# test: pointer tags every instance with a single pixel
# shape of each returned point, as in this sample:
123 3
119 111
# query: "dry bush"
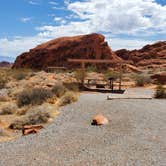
160 92
3 133
91 69
34 96
9 109
22 111
33 117
59 90
68 98
112 74
72 86
20 74
141 80
3 81
79 75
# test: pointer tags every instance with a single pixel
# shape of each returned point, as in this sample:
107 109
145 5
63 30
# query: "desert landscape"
102 124
83 83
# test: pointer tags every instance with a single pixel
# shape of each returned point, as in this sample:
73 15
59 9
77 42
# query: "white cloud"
53 3
33 3
25 19
138 18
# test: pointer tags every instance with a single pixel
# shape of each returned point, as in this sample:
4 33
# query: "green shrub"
34 96
8 109
141 80
59 90
68 98
160 92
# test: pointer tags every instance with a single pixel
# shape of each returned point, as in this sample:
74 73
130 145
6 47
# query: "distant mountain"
7 59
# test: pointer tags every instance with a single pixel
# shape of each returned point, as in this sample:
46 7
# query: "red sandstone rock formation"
57 51
160 77
149 55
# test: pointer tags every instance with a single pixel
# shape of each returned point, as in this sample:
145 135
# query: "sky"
129 24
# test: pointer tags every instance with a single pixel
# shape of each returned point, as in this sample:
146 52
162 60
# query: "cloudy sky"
125 23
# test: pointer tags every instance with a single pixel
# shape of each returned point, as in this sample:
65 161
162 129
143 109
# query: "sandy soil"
135 136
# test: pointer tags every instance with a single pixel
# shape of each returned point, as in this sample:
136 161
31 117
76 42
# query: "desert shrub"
33 118
160 92
20 74
91 68
68 98
3 81
22 111
34 96
112 74
72 86
59 90
8 109
79 75
141 79
3 133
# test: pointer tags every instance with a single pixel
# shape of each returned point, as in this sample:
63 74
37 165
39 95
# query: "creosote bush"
31 119
3 81
59 90
160 92
68 98
79 75
8 109
34 96
73 86
141 79
112 74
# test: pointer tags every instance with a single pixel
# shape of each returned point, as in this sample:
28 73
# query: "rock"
100 120
31 129
154 54
160 77
57 51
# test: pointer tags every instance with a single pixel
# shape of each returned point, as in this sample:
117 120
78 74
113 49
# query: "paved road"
135 136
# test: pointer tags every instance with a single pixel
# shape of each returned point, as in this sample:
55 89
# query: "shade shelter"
83 63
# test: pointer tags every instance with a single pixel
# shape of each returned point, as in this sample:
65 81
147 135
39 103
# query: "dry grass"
59 90
112 74
68 98
9 109
35 116
142 79
160 92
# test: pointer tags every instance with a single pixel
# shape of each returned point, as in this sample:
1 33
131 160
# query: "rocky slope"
150 55
57 51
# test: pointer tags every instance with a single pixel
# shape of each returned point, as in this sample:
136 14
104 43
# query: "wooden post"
120 77
83 73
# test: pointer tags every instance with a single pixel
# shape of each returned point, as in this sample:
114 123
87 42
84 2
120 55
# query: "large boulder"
154 54
57 51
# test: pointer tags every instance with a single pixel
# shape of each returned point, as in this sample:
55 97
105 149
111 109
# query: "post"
83 73
120 77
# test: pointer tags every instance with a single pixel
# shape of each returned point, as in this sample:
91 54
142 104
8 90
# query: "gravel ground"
135 136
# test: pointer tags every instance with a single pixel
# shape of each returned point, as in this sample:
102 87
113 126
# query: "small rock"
100 120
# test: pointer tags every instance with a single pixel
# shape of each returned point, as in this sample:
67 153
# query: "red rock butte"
57 51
